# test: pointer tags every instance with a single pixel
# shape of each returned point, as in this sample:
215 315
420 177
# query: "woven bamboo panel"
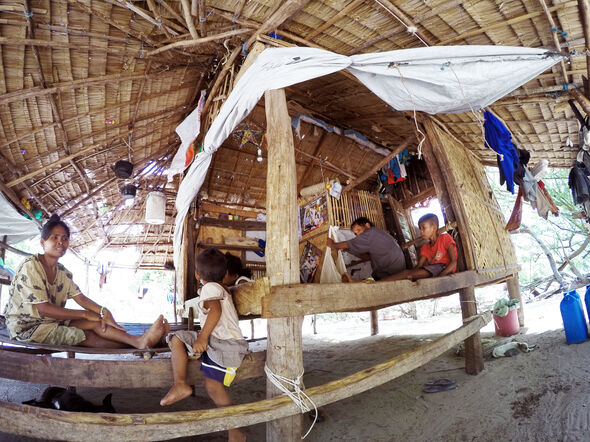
493 249
352 205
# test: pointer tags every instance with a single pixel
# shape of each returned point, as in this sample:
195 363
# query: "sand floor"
542 395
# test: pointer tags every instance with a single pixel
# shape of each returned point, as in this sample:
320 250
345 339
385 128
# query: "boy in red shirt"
438 256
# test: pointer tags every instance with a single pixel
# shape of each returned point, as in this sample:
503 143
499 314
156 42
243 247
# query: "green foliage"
563 234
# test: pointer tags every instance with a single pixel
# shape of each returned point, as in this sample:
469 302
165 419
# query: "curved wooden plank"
39 422
137 373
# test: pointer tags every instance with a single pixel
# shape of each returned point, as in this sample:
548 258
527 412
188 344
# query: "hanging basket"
128 191
123 169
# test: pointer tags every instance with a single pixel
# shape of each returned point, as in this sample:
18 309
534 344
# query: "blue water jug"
574 322
587 300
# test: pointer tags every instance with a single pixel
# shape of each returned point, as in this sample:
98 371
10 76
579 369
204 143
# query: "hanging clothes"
527 183
498 138
579 183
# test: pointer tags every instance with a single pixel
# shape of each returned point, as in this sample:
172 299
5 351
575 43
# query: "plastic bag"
503 306
332 270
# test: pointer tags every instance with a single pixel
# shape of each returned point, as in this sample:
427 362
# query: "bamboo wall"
492 248
351 205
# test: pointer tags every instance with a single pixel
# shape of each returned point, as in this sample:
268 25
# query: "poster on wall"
314 214
309 262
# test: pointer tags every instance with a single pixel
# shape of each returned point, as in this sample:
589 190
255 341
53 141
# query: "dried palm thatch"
84 83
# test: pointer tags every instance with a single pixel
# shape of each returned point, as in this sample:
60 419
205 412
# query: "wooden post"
2 256
514 293
374 323
284 350
473 351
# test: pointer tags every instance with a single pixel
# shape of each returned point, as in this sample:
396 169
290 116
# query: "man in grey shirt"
385 253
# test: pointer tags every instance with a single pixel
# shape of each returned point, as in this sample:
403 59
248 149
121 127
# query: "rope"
297 395
411 29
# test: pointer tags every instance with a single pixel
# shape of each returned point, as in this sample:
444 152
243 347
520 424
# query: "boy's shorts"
210 369
434 269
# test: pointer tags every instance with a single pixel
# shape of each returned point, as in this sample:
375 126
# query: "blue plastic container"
587 300
574 322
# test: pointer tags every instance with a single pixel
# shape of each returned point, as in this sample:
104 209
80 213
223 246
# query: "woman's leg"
148 339
180 389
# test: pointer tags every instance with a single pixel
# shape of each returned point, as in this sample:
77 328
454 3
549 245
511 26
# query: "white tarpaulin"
441 79
14 225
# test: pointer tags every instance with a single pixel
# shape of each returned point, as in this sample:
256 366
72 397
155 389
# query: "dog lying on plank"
61 399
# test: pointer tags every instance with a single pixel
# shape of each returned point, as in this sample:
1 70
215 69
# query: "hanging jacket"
579 183
498 137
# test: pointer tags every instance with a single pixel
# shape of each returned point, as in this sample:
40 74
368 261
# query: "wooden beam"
286 10
554 37
307 299
239 9
134 373
4 246
125 28
66 86
186 9
158 16
418 198
323 139
326 164
514 293
380 164
198 41
584 6
502 24
238 224
338 16
284 351
472 346
400 15
52 424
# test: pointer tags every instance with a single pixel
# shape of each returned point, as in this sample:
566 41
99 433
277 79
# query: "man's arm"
343 245
453 263
213 316
422 262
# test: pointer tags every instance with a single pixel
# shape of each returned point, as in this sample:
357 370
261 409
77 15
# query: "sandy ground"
542 395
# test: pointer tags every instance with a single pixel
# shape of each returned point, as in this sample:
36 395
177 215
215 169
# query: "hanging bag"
332 270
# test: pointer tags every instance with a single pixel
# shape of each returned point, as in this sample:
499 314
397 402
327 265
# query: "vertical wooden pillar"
473 350
284 349
374 323
445 186
514 293
3 256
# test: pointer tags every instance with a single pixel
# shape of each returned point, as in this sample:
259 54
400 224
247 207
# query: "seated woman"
37 297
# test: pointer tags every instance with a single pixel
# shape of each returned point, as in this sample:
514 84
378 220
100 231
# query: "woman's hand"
200 344
107 319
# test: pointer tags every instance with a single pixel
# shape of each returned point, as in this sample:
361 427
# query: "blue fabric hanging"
499 138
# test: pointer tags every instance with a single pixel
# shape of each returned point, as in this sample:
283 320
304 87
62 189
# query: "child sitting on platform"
438 256
220 344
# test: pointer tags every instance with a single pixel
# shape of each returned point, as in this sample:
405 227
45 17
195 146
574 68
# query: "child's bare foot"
154 334
235 435
178 392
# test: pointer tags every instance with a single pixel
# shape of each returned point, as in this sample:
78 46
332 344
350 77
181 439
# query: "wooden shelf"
233 224
230 247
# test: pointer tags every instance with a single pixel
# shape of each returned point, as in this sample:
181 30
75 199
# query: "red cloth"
437 254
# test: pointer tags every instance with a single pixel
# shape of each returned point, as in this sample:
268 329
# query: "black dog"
61 399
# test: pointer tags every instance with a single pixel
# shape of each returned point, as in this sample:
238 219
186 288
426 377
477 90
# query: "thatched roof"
84 83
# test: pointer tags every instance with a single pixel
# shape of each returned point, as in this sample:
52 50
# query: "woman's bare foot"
178 392
155 333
